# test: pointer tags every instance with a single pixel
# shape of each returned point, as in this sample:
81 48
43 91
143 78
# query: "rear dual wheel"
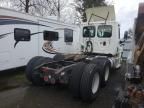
30 66
106 74
90 83
36 78
75 79
103 66
85 81
33 74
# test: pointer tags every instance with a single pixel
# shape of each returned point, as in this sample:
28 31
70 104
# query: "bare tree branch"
22 2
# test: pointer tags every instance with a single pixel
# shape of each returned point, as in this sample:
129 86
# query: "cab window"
104 31
89 31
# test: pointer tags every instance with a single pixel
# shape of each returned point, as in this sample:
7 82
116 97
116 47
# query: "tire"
47 59
30 66
103 66
58 57
34 74
36 78
106 74
90 83
122 103
76 78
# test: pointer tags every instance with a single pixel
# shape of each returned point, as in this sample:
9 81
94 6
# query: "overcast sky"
126 11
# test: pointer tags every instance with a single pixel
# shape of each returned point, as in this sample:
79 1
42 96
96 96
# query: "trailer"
23 36
81 56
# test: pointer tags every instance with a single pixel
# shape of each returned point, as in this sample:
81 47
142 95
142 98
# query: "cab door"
103 39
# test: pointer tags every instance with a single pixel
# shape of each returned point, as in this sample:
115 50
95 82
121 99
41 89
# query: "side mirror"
21 34
121 42
50 35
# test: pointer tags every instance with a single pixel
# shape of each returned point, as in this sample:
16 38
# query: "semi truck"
81 56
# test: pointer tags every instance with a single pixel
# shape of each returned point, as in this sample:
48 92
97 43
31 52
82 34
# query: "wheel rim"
95 83
106 73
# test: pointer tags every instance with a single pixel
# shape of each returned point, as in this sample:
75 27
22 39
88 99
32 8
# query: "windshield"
89 31
104 31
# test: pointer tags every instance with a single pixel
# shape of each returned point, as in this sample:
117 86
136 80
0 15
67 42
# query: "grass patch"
13 81
19 78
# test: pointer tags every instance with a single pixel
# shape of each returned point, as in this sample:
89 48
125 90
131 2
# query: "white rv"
81 56
16 51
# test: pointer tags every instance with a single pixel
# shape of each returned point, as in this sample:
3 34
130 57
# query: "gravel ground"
25 95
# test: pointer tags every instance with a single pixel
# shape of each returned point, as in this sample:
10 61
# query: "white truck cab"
104 38
101 34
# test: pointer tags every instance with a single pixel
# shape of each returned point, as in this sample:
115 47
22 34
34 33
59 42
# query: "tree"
43 8
39 7
92 3
23 5
4 3
53 7
82 5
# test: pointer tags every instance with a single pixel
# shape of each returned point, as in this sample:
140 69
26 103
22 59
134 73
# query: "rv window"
50 35
68 34
89 31
21 34
104 31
